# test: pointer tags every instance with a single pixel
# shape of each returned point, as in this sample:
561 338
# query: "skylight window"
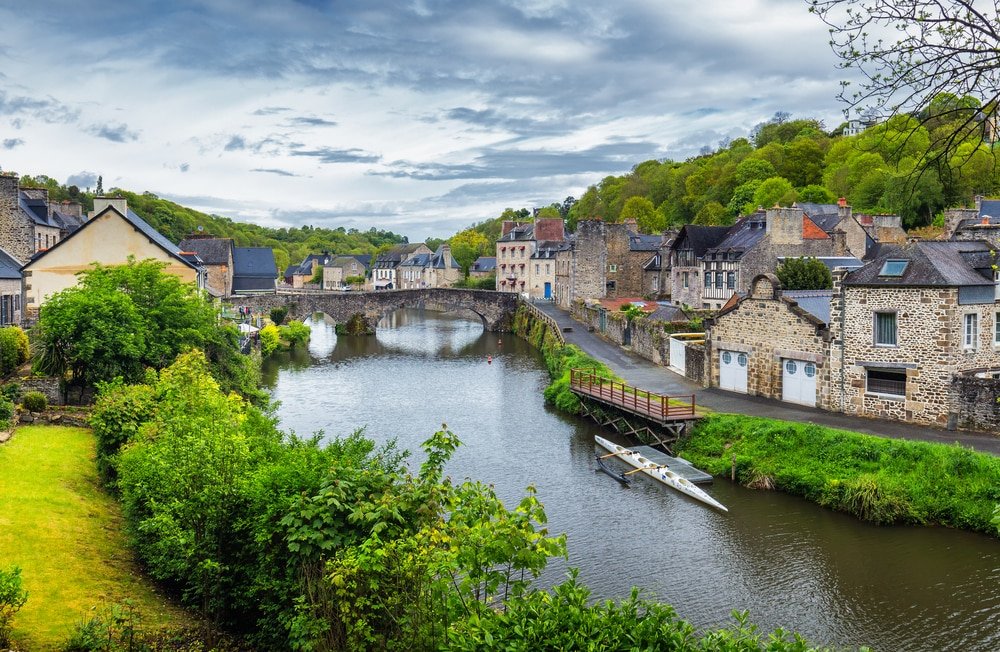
893 268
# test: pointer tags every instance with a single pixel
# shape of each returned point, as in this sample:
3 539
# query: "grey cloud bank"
445 111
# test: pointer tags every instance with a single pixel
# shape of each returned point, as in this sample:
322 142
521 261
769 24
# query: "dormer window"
893 268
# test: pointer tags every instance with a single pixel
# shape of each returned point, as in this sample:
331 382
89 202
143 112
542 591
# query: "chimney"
784 225
102 203
446 255
508 225
839 243
888 221
8 189
73 208
843 210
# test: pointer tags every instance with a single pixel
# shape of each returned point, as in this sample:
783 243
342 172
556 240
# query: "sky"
421 117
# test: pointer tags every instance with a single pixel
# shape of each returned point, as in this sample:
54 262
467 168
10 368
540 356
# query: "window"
970 337
546 268
538 268
893 268
885 381
708 279
885 329
731 280
996 329
610 286
612 267
656 283
718 280
685 278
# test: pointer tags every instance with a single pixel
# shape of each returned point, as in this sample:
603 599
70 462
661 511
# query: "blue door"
548 290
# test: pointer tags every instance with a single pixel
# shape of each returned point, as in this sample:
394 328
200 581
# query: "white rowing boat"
658 472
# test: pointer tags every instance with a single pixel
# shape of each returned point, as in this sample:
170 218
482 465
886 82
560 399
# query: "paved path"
646 375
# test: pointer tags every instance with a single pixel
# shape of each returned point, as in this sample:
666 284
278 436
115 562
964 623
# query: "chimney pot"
842 202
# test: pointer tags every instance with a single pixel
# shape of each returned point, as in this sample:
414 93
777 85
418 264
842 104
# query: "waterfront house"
526 254
385 268
483 267
216 255
340 268
254 270
110 236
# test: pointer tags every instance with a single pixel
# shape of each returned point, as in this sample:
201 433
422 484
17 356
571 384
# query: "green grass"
65 532
877 479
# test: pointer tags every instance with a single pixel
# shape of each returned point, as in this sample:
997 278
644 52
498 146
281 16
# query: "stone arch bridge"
495 309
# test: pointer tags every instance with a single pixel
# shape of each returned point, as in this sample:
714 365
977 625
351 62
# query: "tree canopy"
804 274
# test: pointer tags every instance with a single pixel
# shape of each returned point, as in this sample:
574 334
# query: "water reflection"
791 563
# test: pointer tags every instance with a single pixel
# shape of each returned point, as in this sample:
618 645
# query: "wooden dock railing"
638 401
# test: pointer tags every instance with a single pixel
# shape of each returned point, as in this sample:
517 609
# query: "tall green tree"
804 274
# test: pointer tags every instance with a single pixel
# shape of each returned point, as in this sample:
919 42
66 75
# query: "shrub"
118 413
34 402
269 339
12 598
13 349
278 315
295 333
6 411
11 392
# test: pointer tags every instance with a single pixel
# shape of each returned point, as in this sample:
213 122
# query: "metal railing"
549 321
633 399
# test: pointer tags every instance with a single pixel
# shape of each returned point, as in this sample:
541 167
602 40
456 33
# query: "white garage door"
733 371
798 382
678 353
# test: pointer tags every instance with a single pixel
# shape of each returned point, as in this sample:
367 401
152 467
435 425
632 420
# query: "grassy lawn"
66 534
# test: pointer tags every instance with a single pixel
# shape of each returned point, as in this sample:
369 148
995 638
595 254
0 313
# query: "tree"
468 245
776 190
644 213
804 274
937 47
100 185
120 319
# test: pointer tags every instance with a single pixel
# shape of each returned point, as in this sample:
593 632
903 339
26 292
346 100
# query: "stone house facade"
29 222
750 343
216 255
385 267
686 254
911 321
437 270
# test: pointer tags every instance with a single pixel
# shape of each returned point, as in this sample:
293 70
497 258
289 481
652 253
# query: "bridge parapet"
495 309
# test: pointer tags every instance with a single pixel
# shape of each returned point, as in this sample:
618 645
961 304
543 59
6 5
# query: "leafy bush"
13 349
119 412
278 315
13 596
295 333
6 411
270 339
34 401
11 392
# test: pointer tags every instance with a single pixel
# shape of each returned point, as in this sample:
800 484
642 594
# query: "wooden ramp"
653 418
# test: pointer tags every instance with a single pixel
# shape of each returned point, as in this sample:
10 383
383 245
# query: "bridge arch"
495 309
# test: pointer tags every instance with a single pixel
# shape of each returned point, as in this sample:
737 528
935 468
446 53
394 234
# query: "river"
792 564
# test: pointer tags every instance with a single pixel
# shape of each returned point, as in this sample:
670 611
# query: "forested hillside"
178 222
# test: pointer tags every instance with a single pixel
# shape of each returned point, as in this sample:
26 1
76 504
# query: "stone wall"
17 237
694 362
974 402
690 295
47 385
589 261
649 338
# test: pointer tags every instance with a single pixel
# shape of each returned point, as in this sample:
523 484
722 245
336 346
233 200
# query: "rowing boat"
659 472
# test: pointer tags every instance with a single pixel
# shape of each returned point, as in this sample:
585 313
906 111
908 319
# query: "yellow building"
110 235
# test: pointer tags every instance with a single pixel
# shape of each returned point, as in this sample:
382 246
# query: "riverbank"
65 533
876 479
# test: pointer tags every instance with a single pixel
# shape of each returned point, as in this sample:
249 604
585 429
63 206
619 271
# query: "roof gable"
256 262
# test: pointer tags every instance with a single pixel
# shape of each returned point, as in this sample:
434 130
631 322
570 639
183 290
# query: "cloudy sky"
418 116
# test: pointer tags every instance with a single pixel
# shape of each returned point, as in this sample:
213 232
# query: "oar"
601 457
637 470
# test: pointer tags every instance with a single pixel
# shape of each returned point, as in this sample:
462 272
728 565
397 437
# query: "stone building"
436 270
656 271
29 222
340 268
910 321
984 212
216 255
483 267
10 290
254 270
686 253
385 267
772 343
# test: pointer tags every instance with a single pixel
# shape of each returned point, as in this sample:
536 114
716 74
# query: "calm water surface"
835 580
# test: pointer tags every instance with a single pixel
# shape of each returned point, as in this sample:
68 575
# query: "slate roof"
392 257
825 216
437 260
644 242
35 209
815 302
653 264
740 238
253 262
68 222
484 264
947 263
138 224
668 312
345 262
990 207
211 251
10 269
524 231
700 238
